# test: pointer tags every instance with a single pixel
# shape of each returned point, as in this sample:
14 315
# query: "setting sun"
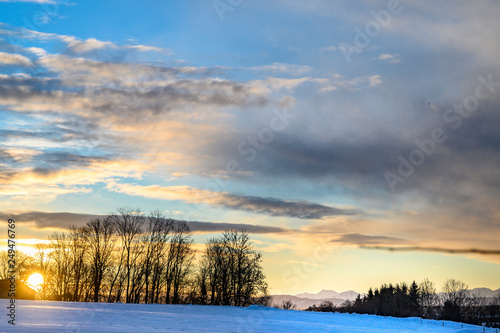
35 280
278 166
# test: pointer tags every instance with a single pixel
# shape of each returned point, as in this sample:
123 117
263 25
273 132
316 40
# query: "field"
56 317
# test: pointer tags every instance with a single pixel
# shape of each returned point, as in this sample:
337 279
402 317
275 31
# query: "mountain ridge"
304 300
325 293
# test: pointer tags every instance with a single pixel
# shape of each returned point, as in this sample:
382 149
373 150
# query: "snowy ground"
56 317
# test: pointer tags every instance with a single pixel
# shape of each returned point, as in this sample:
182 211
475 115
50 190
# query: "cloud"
77 107
360 239
146 48
14 59
76 45
63 220
277 84
277 207
96 87
327 84
42 193
434 249
223 226
472 35
349 49
374 80
394 58
88 45
328 48
278 67
337 81
46 220
188 120
56 174
267 206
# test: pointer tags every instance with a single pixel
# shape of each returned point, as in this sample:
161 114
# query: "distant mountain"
486 292
346 295
482 292
305 300
303 303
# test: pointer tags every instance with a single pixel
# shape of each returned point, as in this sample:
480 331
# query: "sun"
35 280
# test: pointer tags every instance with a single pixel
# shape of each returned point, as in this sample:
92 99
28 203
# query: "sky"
333 131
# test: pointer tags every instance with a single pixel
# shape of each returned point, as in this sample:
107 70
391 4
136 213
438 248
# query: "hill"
59 317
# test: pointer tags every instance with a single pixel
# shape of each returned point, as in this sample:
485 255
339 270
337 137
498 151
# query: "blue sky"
337 124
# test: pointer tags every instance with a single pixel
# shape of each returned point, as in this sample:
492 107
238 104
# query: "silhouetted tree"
230 272
180 257
128 223
99 234
79 268
414 300
155 241
427 296
61 260
130 257
455 295
287 305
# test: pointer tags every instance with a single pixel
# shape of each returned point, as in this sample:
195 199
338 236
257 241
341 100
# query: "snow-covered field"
56 317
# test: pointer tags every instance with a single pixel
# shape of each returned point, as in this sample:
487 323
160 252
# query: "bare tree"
211 270
160 261
78 252
42 265
181 256
116 275
136 258
287 305
230 270
23 265
495 311
61 260
128 223
455 297
99 237
155 243
427 296
476 308
456 292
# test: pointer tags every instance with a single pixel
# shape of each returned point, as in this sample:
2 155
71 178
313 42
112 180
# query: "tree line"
131 257
456 302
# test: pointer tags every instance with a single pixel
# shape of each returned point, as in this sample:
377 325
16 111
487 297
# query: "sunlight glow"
35 280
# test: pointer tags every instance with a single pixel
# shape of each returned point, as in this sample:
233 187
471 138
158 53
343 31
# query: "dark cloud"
124 99
61 160
340 152
360 239
277 207
254 204
63 220
221 226
434 249
334 160
179 95
43 220
45 162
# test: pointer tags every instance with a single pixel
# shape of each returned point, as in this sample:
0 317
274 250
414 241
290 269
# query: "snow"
57 317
